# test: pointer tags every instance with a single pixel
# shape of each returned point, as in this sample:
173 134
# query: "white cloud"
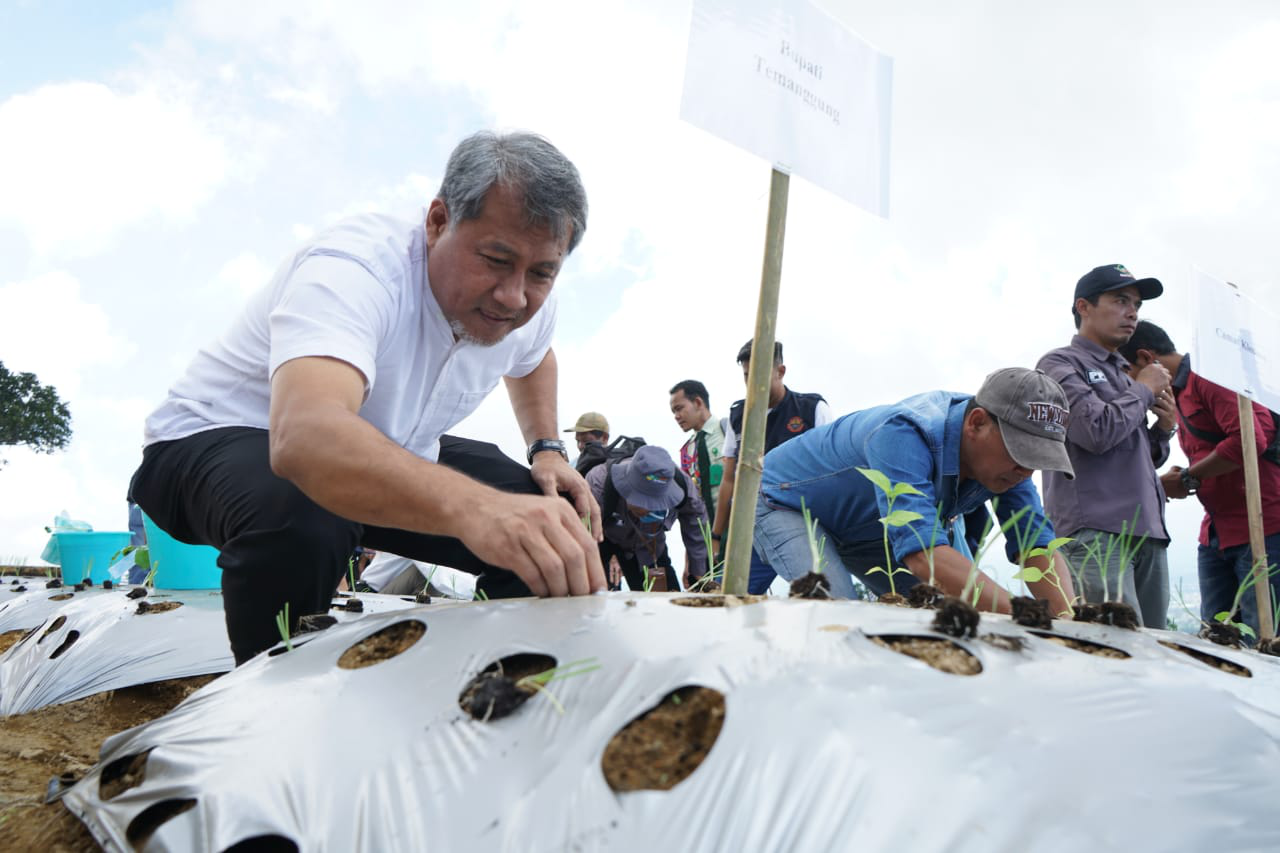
81 161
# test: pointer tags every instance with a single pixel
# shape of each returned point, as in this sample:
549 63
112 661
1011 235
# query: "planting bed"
783 725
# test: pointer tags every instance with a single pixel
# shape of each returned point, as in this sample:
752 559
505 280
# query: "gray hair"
553 193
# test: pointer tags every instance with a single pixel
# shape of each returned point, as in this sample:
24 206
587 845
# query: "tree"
31 414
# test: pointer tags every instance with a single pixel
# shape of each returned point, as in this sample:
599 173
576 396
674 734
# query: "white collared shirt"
357 292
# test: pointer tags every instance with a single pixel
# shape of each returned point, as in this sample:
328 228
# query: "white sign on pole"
789 83
1236 342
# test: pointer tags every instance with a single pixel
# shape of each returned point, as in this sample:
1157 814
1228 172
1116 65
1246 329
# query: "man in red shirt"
1209 433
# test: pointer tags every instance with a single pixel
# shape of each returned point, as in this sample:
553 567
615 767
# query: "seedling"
894 518
150 579
282 625
481 595
540 681
1257 573
351 575
985 542
650 578
1031 574
816 545
715 571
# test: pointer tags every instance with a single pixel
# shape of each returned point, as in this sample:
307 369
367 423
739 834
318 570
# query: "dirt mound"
66 738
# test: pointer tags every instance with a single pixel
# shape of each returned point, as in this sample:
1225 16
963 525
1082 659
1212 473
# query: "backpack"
1271 453
622 447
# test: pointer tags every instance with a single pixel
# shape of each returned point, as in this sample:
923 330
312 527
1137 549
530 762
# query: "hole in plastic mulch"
154 816
63 597
1086 646
264 844
942 655
383 644
122 774
1209 660
57 623
9 639
145 607
72 636
495 692
712 600
664 746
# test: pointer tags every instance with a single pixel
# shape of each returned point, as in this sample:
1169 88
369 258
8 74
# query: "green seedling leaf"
881 481
900 489
900 517
879 569
1057 543
1246 630
1029 574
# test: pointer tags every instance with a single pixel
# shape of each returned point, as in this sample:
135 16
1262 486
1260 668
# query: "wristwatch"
547 444
1190 483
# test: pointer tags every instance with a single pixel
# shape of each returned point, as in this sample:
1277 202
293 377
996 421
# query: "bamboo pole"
742 515
1253 501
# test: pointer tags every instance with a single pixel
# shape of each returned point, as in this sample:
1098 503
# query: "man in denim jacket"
956 452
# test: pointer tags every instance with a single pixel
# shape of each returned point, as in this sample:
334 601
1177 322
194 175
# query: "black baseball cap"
1113 277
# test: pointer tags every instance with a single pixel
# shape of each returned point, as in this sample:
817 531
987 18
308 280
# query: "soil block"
956 618
137 592
313 622
1114 613
664 746
1270 647
1222 633
894 598
812 585
1086 646
925 596
1031 612
944 655
1209 660
53 584
422 598
496 692
383 644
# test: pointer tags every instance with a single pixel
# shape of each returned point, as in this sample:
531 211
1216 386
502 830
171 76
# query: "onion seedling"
480 595
540 680
282 625
817 545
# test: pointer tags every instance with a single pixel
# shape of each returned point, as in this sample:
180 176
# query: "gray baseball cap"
1032 412
648 479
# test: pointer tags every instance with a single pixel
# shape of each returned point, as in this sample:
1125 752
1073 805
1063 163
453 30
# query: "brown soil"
893 598
10 638
1031 612
956 618
718 600
924 595
1114 613
940 654
663 746
812 585
1209 660
1087 646
1270 647
496 692
63 597
383 645
60 738
145 607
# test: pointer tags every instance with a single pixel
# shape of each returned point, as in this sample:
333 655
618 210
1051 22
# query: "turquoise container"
179 565
88 552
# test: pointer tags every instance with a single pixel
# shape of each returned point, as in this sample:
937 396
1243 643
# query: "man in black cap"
640 499
1114 508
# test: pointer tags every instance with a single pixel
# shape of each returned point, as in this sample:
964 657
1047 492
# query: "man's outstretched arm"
320 443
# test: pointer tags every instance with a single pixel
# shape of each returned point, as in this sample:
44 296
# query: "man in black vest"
789 415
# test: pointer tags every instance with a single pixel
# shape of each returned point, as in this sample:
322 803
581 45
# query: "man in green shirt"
700 455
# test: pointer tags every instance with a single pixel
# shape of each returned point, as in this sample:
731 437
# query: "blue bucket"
88 552
179 565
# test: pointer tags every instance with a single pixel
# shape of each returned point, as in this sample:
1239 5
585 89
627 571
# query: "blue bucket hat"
648 479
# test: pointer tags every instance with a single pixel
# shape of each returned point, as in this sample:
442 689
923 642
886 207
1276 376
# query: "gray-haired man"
317 422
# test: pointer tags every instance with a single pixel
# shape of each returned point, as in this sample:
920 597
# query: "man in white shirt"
317 422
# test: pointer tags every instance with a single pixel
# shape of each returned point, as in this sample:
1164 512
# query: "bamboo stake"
1253 501
742 515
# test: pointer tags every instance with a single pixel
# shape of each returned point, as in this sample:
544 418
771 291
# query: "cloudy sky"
158 160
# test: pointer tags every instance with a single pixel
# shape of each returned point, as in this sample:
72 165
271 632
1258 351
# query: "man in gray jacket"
1114 508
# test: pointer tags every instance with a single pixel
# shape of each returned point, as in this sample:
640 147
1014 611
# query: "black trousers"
631 568
277 545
